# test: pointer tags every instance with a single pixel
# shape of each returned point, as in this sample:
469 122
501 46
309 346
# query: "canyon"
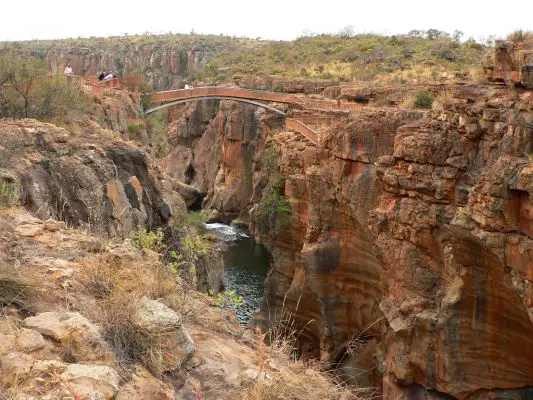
409 232
406 260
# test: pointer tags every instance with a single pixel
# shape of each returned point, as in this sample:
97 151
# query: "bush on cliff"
274 210
152 240
423 100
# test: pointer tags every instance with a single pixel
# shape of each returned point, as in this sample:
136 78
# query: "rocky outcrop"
88 178
55 353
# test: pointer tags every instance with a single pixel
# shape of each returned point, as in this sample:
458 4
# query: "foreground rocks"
59 354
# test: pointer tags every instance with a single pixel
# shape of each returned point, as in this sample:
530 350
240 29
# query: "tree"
24 77
347 32
457 35
28 91
435 34
415 33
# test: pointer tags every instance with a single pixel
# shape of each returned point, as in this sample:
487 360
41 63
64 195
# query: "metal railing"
92 85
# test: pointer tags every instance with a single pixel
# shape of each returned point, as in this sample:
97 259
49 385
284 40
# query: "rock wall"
163 65
406 261
89 178
217 147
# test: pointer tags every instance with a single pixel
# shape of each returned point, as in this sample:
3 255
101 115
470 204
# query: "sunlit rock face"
410 231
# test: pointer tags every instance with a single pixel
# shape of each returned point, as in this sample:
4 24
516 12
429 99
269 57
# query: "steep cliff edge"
410 232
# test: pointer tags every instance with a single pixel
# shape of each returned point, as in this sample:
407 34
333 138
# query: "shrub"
156 129
228 299
519 36
152 240
274 210
29 91
269 163
9 193
423 100
135 128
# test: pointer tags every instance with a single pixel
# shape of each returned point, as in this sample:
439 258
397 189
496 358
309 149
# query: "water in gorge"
246 265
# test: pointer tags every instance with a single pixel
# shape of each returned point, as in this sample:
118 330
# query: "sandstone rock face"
409 232
164 66
88 179
216 151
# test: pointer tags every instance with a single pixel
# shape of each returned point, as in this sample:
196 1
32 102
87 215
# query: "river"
246 265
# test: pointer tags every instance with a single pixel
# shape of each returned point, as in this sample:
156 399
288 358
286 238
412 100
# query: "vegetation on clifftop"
28 91
344 56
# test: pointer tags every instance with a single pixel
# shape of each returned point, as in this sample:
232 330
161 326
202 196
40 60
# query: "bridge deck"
212 91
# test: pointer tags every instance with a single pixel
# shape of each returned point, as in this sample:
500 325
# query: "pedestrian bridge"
257 98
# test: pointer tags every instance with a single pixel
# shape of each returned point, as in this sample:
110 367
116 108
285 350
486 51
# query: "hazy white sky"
272 19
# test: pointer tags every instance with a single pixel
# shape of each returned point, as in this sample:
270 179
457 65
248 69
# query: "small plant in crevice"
227 299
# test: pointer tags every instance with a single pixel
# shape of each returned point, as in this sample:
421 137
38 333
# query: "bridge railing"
91 85
180 94
302 128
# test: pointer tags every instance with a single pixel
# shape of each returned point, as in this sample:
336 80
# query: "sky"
272 19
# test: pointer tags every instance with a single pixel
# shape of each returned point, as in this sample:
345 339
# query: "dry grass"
443 99
301 382
16 292
520 36
112 291
131 342
292 378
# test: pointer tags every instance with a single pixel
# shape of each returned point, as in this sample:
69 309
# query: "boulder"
28 340
91 381
175 344
61 326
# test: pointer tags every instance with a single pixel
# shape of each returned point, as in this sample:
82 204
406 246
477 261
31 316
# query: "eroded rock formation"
410 231
91 178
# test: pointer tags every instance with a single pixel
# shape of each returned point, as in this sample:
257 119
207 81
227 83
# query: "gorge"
400 243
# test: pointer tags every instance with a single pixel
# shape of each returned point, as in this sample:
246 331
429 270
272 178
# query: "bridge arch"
241 100
257 98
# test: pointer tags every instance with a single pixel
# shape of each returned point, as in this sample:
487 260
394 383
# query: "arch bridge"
257 98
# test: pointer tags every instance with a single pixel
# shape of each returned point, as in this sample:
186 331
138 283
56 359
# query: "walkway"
91 85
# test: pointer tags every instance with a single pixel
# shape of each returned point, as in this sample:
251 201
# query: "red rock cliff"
410 231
